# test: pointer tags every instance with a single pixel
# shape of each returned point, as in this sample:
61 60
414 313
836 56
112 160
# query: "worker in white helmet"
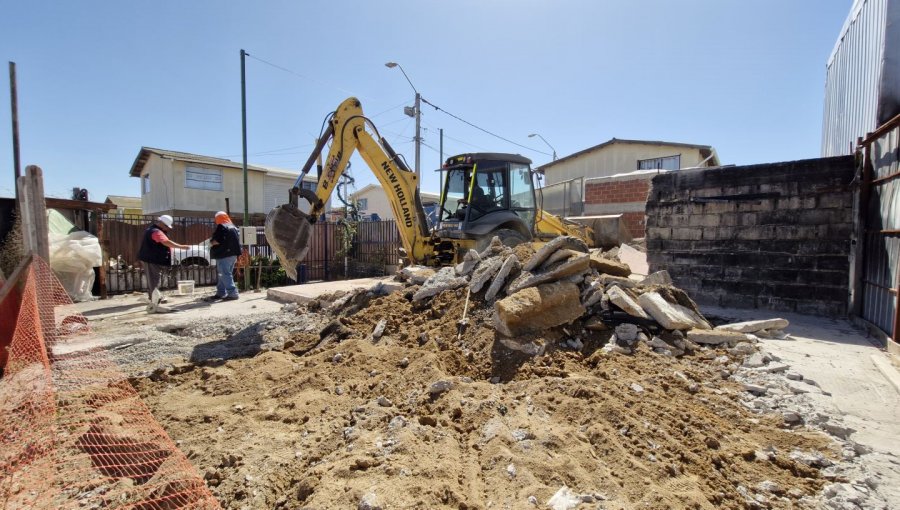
156 255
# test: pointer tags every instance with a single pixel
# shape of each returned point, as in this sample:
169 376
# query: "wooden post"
33 211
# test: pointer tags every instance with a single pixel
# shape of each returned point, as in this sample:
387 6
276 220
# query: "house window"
308 185
203 178
362 204
668 163
145 184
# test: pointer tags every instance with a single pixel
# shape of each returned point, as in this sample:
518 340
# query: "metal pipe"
246 221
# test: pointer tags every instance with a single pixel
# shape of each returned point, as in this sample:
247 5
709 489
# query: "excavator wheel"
508 237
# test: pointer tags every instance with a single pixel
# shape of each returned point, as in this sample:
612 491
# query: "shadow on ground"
242 344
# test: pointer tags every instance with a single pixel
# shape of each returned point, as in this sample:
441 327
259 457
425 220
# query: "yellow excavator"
484 195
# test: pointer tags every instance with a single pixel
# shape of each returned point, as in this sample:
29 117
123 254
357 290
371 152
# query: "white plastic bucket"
185 287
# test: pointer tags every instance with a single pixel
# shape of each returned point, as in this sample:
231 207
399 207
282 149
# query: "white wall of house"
617 158
205 191
375 201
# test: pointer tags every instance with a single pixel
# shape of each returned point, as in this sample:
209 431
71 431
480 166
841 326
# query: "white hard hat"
166 220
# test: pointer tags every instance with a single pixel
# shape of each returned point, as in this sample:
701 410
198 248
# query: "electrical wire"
438 108
299 75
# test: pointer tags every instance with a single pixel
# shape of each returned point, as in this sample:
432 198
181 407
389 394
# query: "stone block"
608 266
668 315
538 308
626 303
754 326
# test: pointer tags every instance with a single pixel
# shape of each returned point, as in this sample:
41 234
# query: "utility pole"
418 139
246 221
14 109
441 163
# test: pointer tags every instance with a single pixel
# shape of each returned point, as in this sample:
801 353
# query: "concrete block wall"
624 194
774 236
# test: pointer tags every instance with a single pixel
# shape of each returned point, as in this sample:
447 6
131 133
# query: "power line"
438 108
299 75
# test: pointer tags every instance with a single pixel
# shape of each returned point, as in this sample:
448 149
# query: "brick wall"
773 236
625 195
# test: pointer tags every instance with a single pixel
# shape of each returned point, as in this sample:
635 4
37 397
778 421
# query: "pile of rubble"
566 283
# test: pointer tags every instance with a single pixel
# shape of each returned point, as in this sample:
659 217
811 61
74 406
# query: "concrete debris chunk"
564 499
573 266
492 249
757 359
754 326
379 329
707 337
537 308
609 266
439 387
558 256
668 315
417 275
657 278
626 333
445 279
509 265
626 303
484 272
470 260
558 243
609 280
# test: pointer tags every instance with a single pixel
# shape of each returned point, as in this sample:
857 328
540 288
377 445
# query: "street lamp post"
417 112
532 135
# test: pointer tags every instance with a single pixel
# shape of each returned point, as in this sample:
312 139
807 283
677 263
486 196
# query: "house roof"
146 152
124 202
706 151
424 195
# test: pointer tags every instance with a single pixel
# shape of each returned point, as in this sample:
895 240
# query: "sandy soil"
425 418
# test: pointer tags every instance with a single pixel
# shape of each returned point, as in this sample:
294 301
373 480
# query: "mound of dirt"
430 414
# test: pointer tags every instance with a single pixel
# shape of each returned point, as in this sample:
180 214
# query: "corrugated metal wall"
881 210
853 76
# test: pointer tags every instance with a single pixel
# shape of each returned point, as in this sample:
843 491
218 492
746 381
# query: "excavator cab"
487 195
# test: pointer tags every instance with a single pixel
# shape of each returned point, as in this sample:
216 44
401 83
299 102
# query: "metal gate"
880 213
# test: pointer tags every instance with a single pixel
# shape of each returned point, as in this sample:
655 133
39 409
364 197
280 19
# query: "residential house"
184 184
372 202
124 205
618 156
613 178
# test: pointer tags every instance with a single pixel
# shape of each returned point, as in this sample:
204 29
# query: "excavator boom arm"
347 131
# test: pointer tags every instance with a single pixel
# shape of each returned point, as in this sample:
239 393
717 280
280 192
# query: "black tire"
508 237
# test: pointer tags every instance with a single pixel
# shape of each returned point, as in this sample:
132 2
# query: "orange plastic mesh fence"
73 432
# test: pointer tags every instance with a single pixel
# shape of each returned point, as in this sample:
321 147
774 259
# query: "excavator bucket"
288 231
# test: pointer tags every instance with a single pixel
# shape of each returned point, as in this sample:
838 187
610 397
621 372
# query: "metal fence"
879 206
337 252
563 198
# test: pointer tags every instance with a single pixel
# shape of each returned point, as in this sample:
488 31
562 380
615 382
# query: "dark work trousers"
153 272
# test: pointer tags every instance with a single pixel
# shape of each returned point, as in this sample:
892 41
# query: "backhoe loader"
484 195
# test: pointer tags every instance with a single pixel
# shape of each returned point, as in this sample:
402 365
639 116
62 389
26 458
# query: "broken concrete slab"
470 260
657 278
669 315
754 326
574 266
558 256
417 275
445 279
712 337
558 243
626 303
609 280
537 308
608 266
510 264
484 272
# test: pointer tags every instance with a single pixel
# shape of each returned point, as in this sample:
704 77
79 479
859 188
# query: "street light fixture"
532 135
417 113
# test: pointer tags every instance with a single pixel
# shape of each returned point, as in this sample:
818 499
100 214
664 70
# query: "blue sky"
99 79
